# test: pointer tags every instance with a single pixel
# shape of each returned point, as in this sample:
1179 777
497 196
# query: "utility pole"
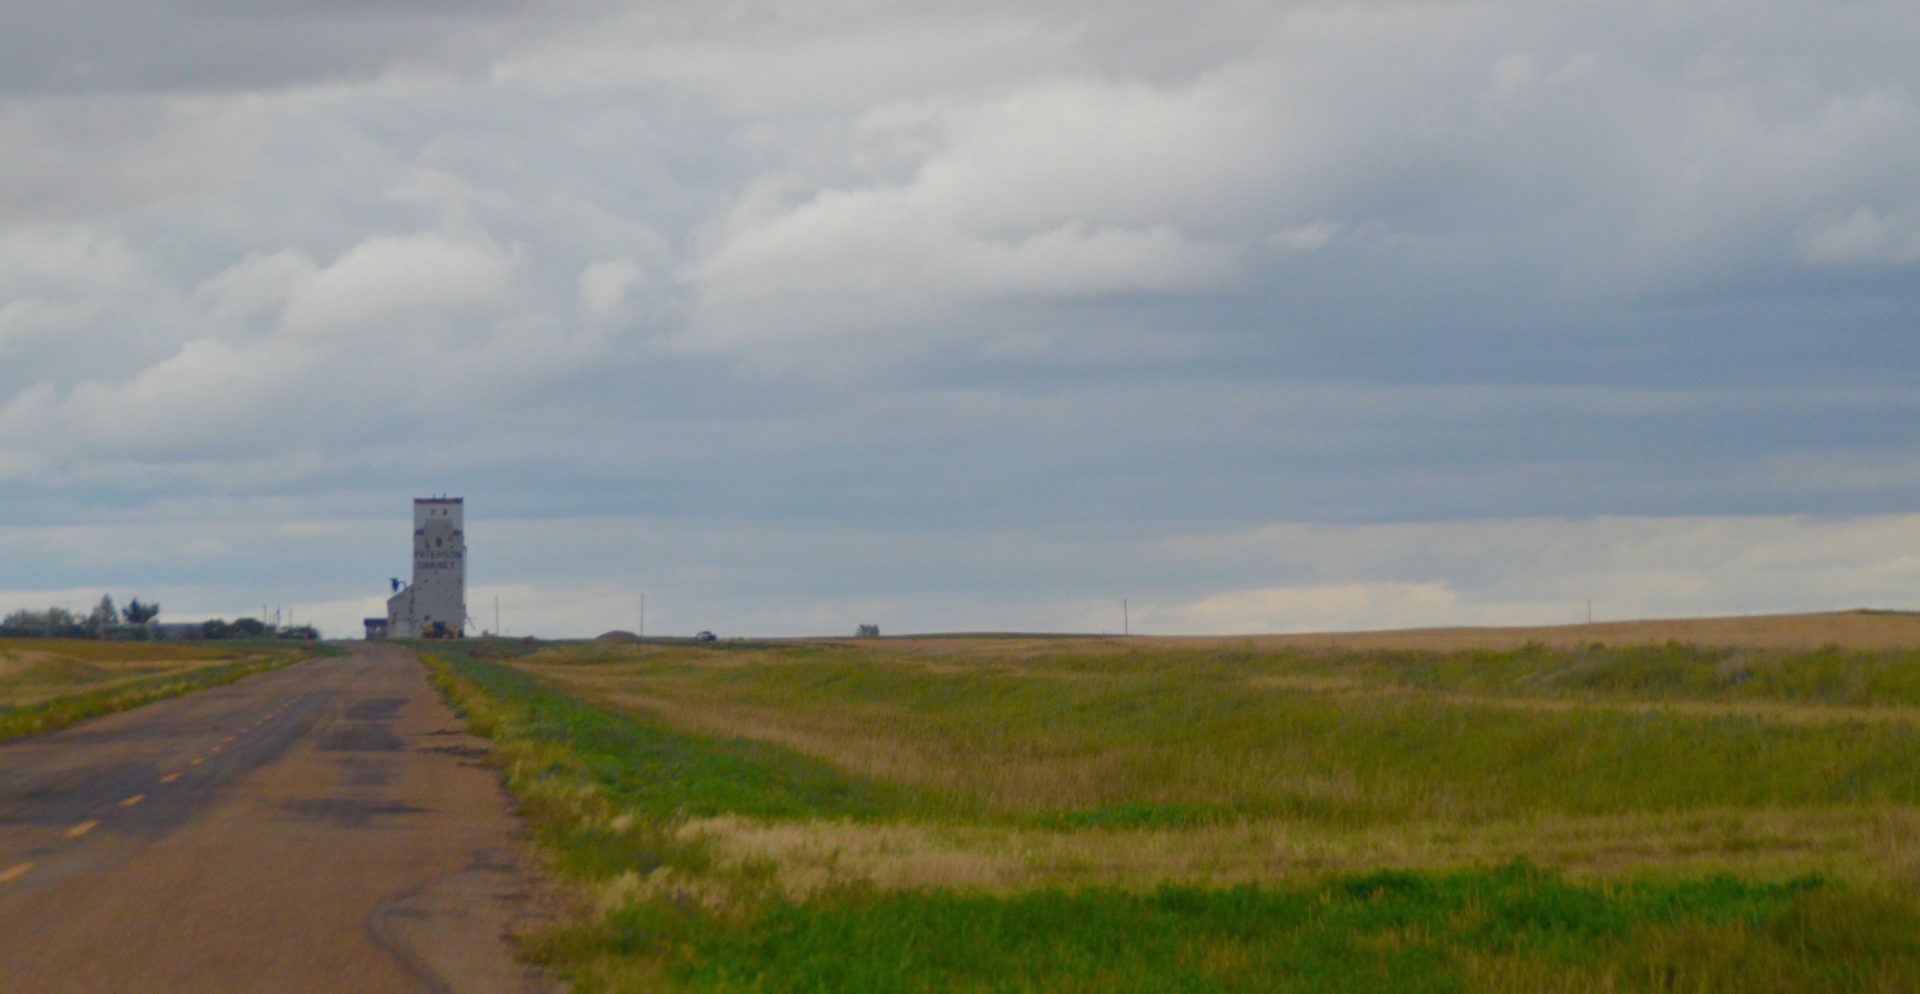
1126 621
643 615
496 614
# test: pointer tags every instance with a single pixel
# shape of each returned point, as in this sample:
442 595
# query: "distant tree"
248 628
54 622
867 632
137 613
19 622
60 621
216 628
24 619
104 615
307 632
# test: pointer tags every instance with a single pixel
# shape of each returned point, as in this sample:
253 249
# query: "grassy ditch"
51 684
606 793
772 818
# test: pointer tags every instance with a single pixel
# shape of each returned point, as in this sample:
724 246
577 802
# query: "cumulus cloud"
187 399
1537 164
327 351
80 157
604 289
1309 237
396 291
1866 235
259 286
1060 191
782 57
1052 274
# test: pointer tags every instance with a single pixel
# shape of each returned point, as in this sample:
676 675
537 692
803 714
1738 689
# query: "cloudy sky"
1264 316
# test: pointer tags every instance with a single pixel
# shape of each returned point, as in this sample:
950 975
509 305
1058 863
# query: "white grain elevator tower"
435 604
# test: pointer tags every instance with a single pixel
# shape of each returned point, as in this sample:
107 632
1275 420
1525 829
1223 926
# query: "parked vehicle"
440 630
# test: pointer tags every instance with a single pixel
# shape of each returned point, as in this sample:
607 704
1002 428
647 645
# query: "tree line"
108 620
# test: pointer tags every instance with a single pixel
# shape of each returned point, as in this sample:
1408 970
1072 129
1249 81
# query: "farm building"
435 603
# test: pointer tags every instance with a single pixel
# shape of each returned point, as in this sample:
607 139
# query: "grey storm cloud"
992 277
236 45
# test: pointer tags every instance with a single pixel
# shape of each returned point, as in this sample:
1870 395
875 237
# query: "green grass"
664 774
1670 672
1390 931
71 708
578 769
1179 741
646 773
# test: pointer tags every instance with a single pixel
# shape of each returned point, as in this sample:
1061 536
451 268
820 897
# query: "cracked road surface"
327 827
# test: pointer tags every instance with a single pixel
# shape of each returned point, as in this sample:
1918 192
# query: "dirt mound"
617 635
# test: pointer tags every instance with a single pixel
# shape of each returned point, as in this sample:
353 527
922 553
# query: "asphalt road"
322 828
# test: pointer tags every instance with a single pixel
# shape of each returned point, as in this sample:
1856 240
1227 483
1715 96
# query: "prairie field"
1579 811
51 683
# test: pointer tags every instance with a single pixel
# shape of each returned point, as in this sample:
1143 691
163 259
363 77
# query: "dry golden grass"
1845 629
886 720
37 670
96 650
1874 844
1858 629
757 693
1654 817
1770 711
1014 655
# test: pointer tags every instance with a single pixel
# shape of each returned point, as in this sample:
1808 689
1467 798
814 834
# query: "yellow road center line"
81 829
230 738
131 801
195 762
216 749
14 872
169 778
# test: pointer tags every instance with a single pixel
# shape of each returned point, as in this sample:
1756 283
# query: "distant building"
435 603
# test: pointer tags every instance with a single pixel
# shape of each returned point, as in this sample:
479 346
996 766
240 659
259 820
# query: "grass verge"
65 710
622 801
